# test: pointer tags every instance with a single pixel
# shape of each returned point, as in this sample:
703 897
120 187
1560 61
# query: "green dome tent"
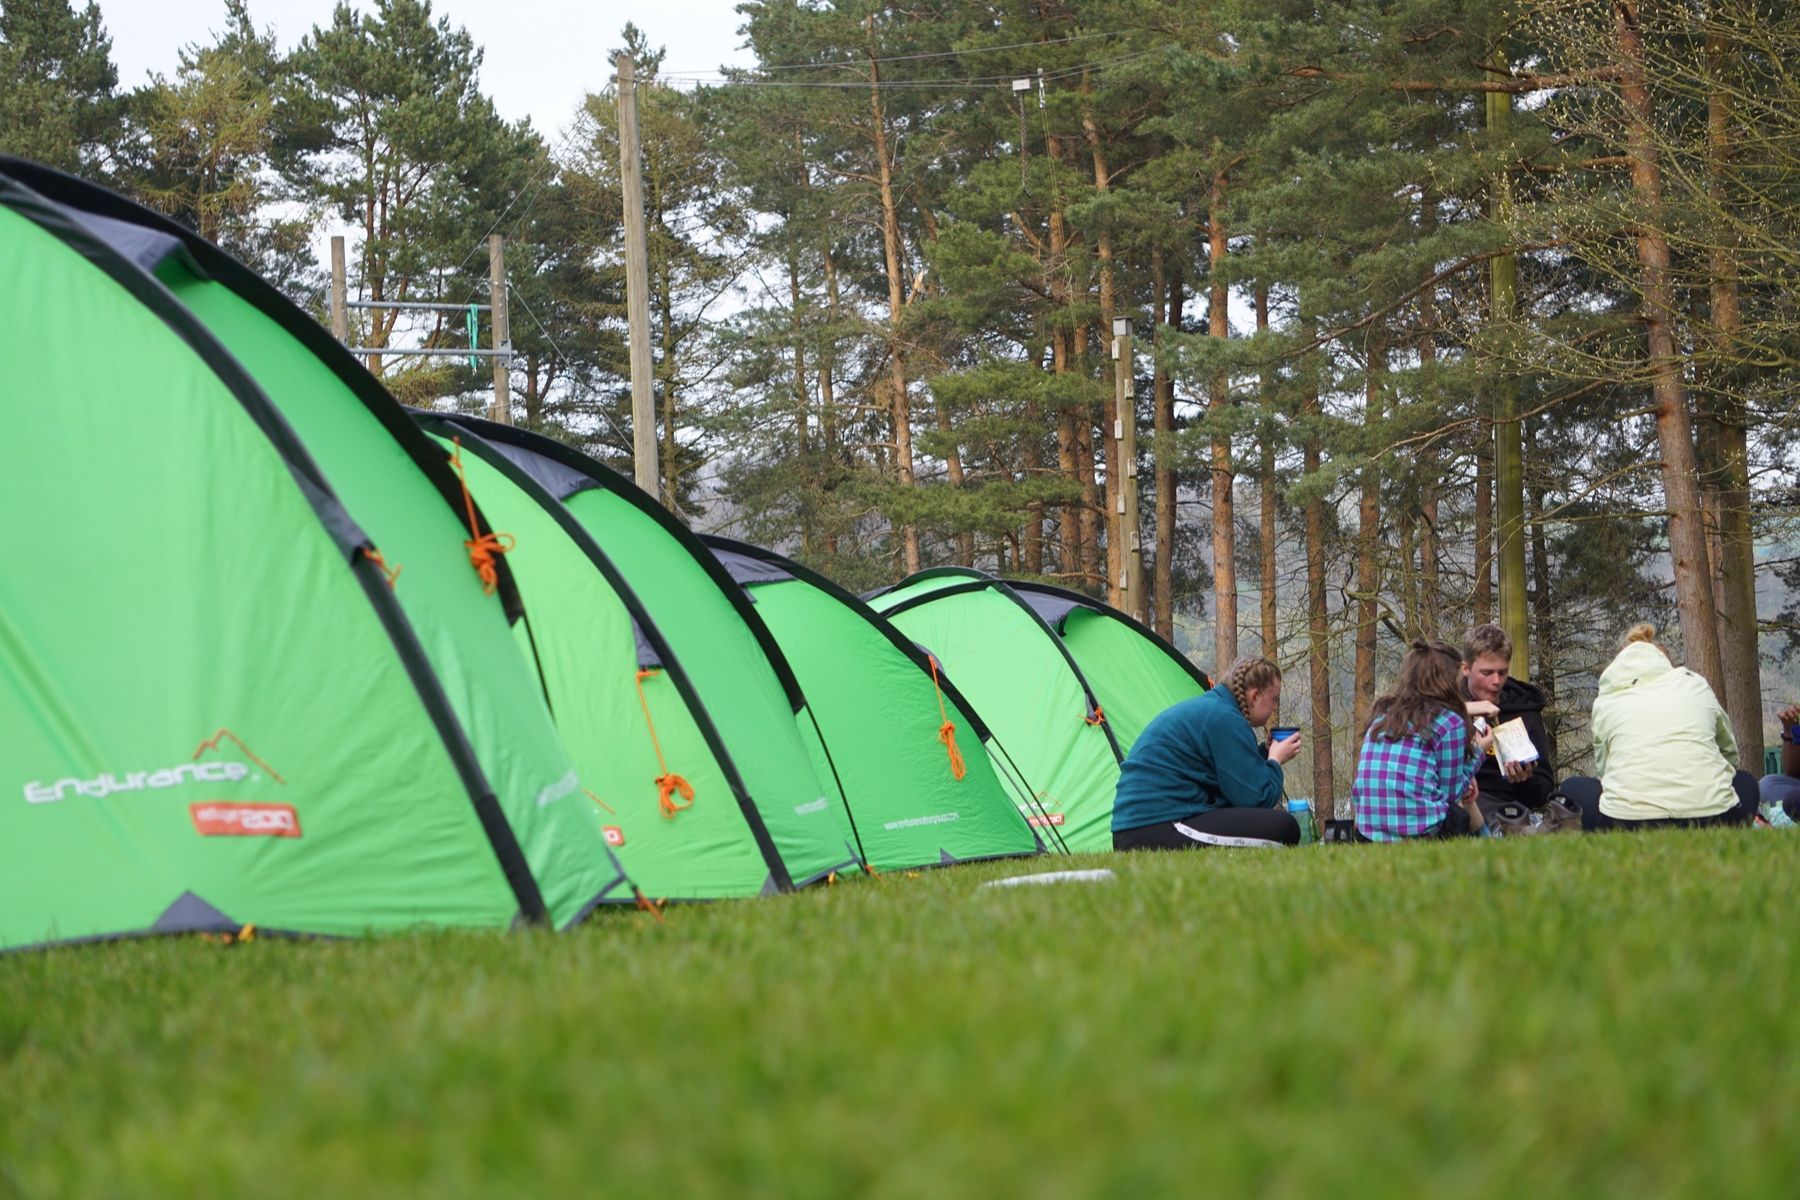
657 668
1026 685
221 709
882 704
1135 674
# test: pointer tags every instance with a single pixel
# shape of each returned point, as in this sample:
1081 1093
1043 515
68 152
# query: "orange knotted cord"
482 546
947 731
1098 717
392 573
668 784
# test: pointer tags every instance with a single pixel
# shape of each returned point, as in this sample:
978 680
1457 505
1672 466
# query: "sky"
540 56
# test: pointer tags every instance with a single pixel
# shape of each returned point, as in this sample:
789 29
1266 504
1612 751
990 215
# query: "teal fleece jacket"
1193 757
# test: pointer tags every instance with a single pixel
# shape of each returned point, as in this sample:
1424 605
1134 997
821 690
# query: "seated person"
1415 774
1663 748
1486 660
1196 776
1783 791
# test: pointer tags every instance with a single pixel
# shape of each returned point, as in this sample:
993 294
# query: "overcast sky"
540 56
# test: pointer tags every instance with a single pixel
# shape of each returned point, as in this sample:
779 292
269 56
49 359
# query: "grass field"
1563 1016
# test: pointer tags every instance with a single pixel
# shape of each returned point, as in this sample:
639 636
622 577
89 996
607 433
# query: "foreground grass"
1571 1016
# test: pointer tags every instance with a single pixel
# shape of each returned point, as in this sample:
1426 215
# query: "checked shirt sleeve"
1455 768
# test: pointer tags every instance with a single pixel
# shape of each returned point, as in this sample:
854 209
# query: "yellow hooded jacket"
1662 745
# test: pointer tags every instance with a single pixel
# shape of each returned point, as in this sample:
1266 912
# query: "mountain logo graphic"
212 743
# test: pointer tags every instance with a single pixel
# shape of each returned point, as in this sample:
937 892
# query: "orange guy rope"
392 573
947 731
668 784
482 547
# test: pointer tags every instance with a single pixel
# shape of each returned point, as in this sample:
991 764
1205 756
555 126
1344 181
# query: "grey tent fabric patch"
190 914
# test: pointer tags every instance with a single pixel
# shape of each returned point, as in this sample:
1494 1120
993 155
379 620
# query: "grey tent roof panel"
648 658
1052 608
748 571
146 248
559 480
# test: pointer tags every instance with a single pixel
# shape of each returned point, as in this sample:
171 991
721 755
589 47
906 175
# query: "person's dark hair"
1486 639
1428 683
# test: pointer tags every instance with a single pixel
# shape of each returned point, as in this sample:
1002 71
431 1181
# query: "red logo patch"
213 818
613 834
1037 822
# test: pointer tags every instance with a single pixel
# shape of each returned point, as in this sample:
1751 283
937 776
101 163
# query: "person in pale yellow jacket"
1663 748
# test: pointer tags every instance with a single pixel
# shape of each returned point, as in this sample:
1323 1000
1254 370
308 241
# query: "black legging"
1217 827
1584 792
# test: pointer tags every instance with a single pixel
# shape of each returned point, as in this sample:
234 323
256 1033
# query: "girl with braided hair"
1196 776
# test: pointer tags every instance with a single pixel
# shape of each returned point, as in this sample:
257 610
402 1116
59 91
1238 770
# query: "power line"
921 85
863 62
567 361
537 177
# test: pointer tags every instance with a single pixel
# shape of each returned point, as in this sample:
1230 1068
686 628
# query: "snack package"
1512 744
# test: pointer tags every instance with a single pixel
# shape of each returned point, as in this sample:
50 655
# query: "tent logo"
914 822
812 806
212 743
217 819
1041 815
613 834
109 783
563 787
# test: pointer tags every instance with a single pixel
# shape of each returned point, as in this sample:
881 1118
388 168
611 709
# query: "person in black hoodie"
1487 659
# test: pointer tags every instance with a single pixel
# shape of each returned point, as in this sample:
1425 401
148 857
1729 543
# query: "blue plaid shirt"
1403 788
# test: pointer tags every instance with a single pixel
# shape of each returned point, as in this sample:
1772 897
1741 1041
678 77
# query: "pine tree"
59 103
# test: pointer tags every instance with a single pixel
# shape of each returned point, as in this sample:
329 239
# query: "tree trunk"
1740 660
665 377
1091 560
1406 587
828 428
1674 433
1509 467
1068 517
1113 498
1368 534
797 332
1265 484
1166 482
890 242
1481 593
1224 518
1031 541
1430 596
1318 627
1543 608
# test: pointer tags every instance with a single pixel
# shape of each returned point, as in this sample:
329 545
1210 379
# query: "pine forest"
1293 328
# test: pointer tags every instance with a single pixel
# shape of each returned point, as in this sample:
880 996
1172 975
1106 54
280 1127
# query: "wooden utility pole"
637 287
1131 548
501 409
340 309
